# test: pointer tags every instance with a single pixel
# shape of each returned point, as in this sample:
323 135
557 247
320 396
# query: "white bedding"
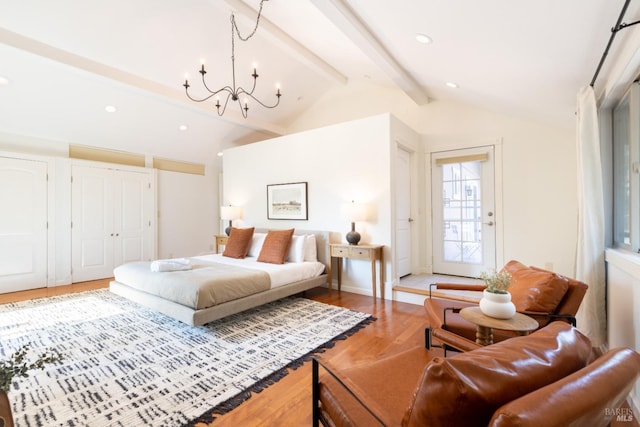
280 274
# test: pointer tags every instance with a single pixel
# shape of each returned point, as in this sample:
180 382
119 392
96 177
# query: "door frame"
498 196
416 225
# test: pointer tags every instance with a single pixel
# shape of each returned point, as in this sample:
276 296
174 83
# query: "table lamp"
355 212
230 213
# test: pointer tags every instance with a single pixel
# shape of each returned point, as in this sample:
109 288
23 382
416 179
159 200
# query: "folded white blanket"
177 264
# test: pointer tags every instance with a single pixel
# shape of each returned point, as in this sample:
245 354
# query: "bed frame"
199 317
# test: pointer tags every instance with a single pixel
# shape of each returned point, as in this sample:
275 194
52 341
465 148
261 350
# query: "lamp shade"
230 212
356 212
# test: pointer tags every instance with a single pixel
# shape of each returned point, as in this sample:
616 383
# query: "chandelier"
233 92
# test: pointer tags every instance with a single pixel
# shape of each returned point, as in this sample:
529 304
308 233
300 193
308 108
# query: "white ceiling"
67 59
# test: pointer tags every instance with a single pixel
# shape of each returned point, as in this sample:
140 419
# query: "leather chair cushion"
466 389
388 383
534 289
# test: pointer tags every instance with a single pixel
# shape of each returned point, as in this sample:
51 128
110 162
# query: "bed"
184 295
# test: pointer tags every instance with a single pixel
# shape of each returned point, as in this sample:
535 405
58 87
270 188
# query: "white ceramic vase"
497 305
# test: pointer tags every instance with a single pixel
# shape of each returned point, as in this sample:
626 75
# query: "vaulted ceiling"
62 62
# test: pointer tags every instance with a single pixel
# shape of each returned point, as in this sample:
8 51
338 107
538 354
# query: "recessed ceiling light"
219 153
423 38
4 81
110 109
452 85
183 127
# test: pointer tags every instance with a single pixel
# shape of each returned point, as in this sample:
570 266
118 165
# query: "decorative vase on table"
496 300
6 418
497 305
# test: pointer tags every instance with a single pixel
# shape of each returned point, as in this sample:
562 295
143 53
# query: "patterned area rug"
125 365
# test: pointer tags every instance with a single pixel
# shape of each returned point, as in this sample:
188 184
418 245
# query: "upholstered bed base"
192 316
199 317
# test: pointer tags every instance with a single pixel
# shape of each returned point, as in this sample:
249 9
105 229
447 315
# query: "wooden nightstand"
364 252
221 240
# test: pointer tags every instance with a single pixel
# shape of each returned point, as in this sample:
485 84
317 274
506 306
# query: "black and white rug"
125 365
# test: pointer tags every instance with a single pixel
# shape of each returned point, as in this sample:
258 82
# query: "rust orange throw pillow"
276 246
238 243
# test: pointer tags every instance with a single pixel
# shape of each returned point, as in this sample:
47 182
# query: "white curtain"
590 266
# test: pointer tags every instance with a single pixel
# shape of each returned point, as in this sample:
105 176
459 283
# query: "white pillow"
297 249
310 248
256 244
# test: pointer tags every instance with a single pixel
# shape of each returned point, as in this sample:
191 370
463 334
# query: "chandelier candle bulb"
234 92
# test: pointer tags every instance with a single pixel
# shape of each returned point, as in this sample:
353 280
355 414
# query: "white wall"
623 306
340 163
539 163
187 213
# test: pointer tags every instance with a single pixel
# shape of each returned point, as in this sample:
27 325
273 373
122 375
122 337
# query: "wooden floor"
288 402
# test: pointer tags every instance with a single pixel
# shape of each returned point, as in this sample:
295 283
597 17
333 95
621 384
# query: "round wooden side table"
520 323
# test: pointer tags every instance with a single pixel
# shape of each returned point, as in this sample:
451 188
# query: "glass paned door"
463 212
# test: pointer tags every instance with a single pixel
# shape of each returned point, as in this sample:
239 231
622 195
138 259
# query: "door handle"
490 223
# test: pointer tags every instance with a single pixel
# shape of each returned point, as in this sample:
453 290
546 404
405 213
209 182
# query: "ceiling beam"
343 17
80 62
288 43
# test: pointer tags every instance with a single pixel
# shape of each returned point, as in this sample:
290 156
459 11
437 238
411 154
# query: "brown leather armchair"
541 379
544 295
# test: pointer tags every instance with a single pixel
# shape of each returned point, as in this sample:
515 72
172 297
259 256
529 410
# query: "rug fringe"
235 401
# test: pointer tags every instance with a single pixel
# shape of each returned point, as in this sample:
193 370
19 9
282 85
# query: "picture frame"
287 201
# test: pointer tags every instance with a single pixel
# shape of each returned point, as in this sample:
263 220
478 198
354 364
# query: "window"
626 168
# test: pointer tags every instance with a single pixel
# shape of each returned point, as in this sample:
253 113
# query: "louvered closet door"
23 224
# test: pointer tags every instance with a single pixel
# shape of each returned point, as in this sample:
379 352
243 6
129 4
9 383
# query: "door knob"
490 223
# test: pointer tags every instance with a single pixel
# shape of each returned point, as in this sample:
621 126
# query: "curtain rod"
619 26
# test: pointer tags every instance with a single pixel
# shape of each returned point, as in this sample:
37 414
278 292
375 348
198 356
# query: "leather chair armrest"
589 396
454 340
550 317
461 286
352 389
452 291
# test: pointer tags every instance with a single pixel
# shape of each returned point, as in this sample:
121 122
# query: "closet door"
23 224
113 212
133 207
92 229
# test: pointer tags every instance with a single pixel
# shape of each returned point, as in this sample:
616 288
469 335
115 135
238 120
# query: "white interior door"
463 211
23 224
92 233
112 212
403 212
133 207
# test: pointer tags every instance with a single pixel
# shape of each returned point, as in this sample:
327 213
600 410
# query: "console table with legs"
371 253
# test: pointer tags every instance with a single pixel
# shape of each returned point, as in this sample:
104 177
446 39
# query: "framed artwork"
287 201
